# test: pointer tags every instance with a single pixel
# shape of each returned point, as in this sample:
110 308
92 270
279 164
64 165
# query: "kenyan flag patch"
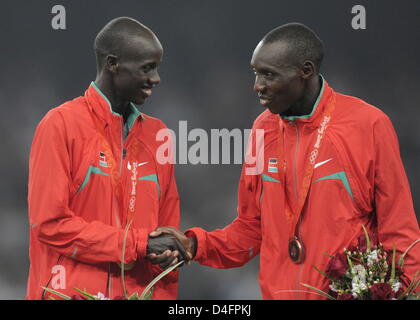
102 160
272 165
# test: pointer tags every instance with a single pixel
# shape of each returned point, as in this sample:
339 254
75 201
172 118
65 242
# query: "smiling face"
135 70
279 80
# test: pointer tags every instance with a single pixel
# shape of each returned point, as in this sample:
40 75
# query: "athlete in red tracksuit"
359 180
74 216
334 155
77 215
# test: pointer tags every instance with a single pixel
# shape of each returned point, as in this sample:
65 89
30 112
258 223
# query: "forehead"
141 48
275 54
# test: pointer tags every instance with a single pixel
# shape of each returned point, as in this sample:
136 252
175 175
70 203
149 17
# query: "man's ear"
308 69
112 63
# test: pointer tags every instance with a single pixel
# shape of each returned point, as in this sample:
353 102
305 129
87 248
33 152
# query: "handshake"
167 246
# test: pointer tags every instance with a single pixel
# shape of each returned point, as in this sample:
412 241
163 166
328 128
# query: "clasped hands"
167 246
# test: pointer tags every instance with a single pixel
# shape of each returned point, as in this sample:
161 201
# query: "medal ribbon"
115 174
293 215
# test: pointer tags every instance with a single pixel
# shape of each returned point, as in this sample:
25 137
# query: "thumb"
190 256
151 256
155 234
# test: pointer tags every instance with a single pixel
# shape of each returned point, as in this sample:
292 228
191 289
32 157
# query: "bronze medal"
296 250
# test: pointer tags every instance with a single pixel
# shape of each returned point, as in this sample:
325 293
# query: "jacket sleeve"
49 192
240 241
397 222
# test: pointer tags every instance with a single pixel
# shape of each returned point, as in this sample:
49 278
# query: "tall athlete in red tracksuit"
331 165
93 170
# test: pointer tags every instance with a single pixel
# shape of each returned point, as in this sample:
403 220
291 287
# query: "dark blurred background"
206 80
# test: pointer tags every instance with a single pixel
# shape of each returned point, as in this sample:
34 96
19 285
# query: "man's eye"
269 75
266 74
147 68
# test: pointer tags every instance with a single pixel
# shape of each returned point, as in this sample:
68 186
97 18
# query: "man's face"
278 80
136 71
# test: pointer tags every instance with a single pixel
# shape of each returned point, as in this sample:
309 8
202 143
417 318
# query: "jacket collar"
317 109
101 106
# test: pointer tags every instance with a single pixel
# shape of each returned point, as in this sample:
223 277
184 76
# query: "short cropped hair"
303 43
115 35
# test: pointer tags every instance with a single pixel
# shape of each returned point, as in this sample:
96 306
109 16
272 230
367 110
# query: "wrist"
193 241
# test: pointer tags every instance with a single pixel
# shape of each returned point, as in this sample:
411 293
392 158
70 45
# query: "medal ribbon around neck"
292 215
115 174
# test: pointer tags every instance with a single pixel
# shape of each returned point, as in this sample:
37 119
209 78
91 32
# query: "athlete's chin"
277 109
138 100
272 109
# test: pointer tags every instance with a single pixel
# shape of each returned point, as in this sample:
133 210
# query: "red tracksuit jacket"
76 225
358 179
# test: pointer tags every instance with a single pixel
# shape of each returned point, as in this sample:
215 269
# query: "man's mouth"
147 92
264 100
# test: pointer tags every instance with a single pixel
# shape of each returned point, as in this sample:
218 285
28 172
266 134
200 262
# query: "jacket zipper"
297 199
122 144
121 166
295 160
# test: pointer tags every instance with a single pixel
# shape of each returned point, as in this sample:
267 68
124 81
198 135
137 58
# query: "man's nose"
155 79
259 85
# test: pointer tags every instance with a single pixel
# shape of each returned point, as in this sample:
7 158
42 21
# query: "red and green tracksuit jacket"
358 179
76 223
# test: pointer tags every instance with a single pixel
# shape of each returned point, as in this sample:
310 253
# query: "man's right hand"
190 244
164 249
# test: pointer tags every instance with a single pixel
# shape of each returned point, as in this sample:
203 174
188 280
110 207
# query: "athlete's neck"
118 104
305 105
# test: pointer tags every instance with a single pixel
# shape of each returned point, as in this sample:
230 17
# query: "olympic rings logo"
132 204
314 155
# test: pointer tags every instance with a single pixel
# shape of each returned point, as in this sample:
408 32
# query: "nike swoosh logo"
321 163
141 164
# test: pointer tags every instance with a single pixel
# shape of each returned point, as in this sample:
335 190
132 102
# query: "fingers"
171 259
159 258
168 263
182 251
169 230
155 234
168 239
165 259
180 236
172 231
